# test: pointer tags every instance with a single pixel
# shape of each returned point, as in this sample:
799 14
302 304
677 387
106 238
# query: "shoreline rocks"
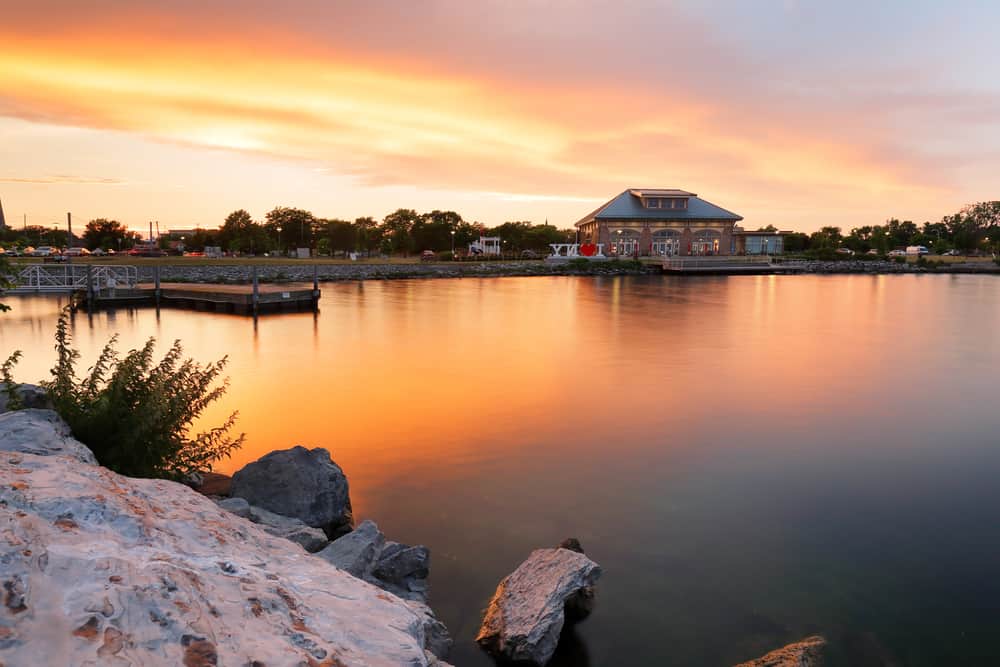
43 433
30 396
526 615
102 568
805 653
303 272
299 483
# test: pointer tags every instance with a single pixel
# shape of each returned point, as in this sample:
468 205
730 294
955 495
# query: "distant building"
761 242
660 222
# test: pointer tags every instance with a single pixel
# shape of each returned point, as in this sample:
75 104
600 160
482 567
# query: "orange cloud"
389 122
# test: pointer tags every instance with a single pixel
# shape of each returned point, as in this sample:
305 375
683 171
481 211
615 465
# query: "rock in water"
97 568
41 432
805 653
527 612
299 483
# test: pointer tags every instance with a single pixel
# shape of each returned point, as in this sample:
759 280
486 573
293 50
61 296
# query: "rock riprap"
526 615
97 568
398 568
41 432
805 653
300 483
29 395
309 538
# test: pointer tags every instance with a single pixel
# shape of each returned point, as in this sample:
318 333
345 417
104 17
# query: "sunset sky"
793 113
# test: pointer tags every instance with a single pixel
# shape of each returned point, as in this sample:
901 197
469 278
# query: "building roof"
628 206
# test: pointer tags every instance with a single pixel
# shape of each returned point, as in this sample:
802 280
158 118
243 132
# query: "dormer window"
665 202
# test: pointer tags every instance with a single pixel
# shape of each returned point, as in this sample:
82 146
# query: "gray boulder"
31 396
805 653
309 538
437 639
403 570
526 615
237 506
356 552
43 433
299 483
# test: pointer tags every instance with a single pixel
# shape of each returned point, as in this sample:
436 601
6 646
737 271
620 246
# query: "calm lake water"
751 459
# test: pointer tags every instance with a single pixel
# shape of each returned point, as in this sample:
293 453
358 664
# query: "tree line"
974 228
402 232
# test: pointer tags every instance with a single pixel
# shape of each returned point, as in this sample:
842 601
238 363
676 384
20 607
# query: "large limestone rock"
96 568
30 395
309 538
41 432
299 483
805 653
526 615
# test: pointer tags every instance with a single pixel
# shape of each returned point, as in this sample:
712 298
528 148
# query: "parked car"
897 253
44 251
917 250
954 252
77 252
529 254
844 251
98 252
873 251
427 256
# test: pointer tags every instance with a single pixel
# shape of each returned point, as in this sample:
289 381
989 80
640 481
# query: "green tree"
396 231
296 225
340 235
369 235
108 234
6 271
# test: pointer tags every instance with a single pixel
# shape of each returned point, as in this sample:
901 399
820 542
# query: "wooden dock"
240 299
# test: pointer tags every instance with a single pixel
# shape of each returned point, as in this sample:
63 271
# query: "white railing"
72 277
716 261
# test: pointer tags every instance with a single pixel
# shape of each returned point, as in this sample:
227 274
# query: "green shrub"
579 263
9 385
136 415
446 256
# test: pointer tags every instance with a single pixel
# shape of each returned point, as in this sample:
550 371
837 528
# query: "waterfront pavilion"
660 222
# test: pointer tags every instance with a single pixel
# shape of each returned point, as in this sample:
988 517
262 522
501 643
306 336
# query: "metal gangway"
70 278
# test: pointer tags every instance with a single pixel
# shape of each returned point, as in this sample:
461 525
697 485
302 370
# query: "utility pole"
3 220
69 236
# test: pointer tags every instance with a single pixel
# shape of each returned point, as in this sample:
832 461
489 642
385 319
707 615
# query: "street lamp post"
279 240
453 243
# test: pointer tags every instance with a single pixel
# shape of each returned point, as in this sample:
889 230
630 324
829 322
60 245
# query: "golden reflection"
411 378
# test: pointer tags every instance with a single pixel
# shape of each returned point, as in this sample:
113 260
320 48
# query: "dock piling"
156 280
315 286
256 290
90 287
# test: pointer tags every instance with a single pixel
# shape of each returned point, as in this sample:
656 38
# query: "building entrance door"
666 247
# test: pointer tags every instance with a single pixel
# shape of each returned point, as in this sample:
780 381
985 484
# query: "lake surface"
750 459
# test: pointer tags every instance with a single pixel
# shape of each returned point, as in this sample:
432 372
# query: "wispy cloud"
62 178
537 105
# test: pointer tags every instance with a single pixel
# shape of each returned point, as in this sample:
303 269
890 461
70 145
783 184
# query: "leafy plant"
9 385
135 414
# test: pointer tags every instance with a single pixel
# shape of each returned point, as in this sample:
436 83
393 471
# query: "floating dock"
239 299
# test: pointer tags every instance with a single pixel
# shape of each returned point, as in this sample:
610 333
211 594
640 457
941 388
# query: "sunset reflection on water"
752 456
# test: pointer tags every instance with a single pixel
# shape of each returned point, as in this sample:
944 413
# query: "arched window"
666 242
705 241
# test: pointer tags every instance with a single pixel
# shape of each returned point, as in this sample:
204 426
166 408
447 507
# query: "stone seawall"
336 272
